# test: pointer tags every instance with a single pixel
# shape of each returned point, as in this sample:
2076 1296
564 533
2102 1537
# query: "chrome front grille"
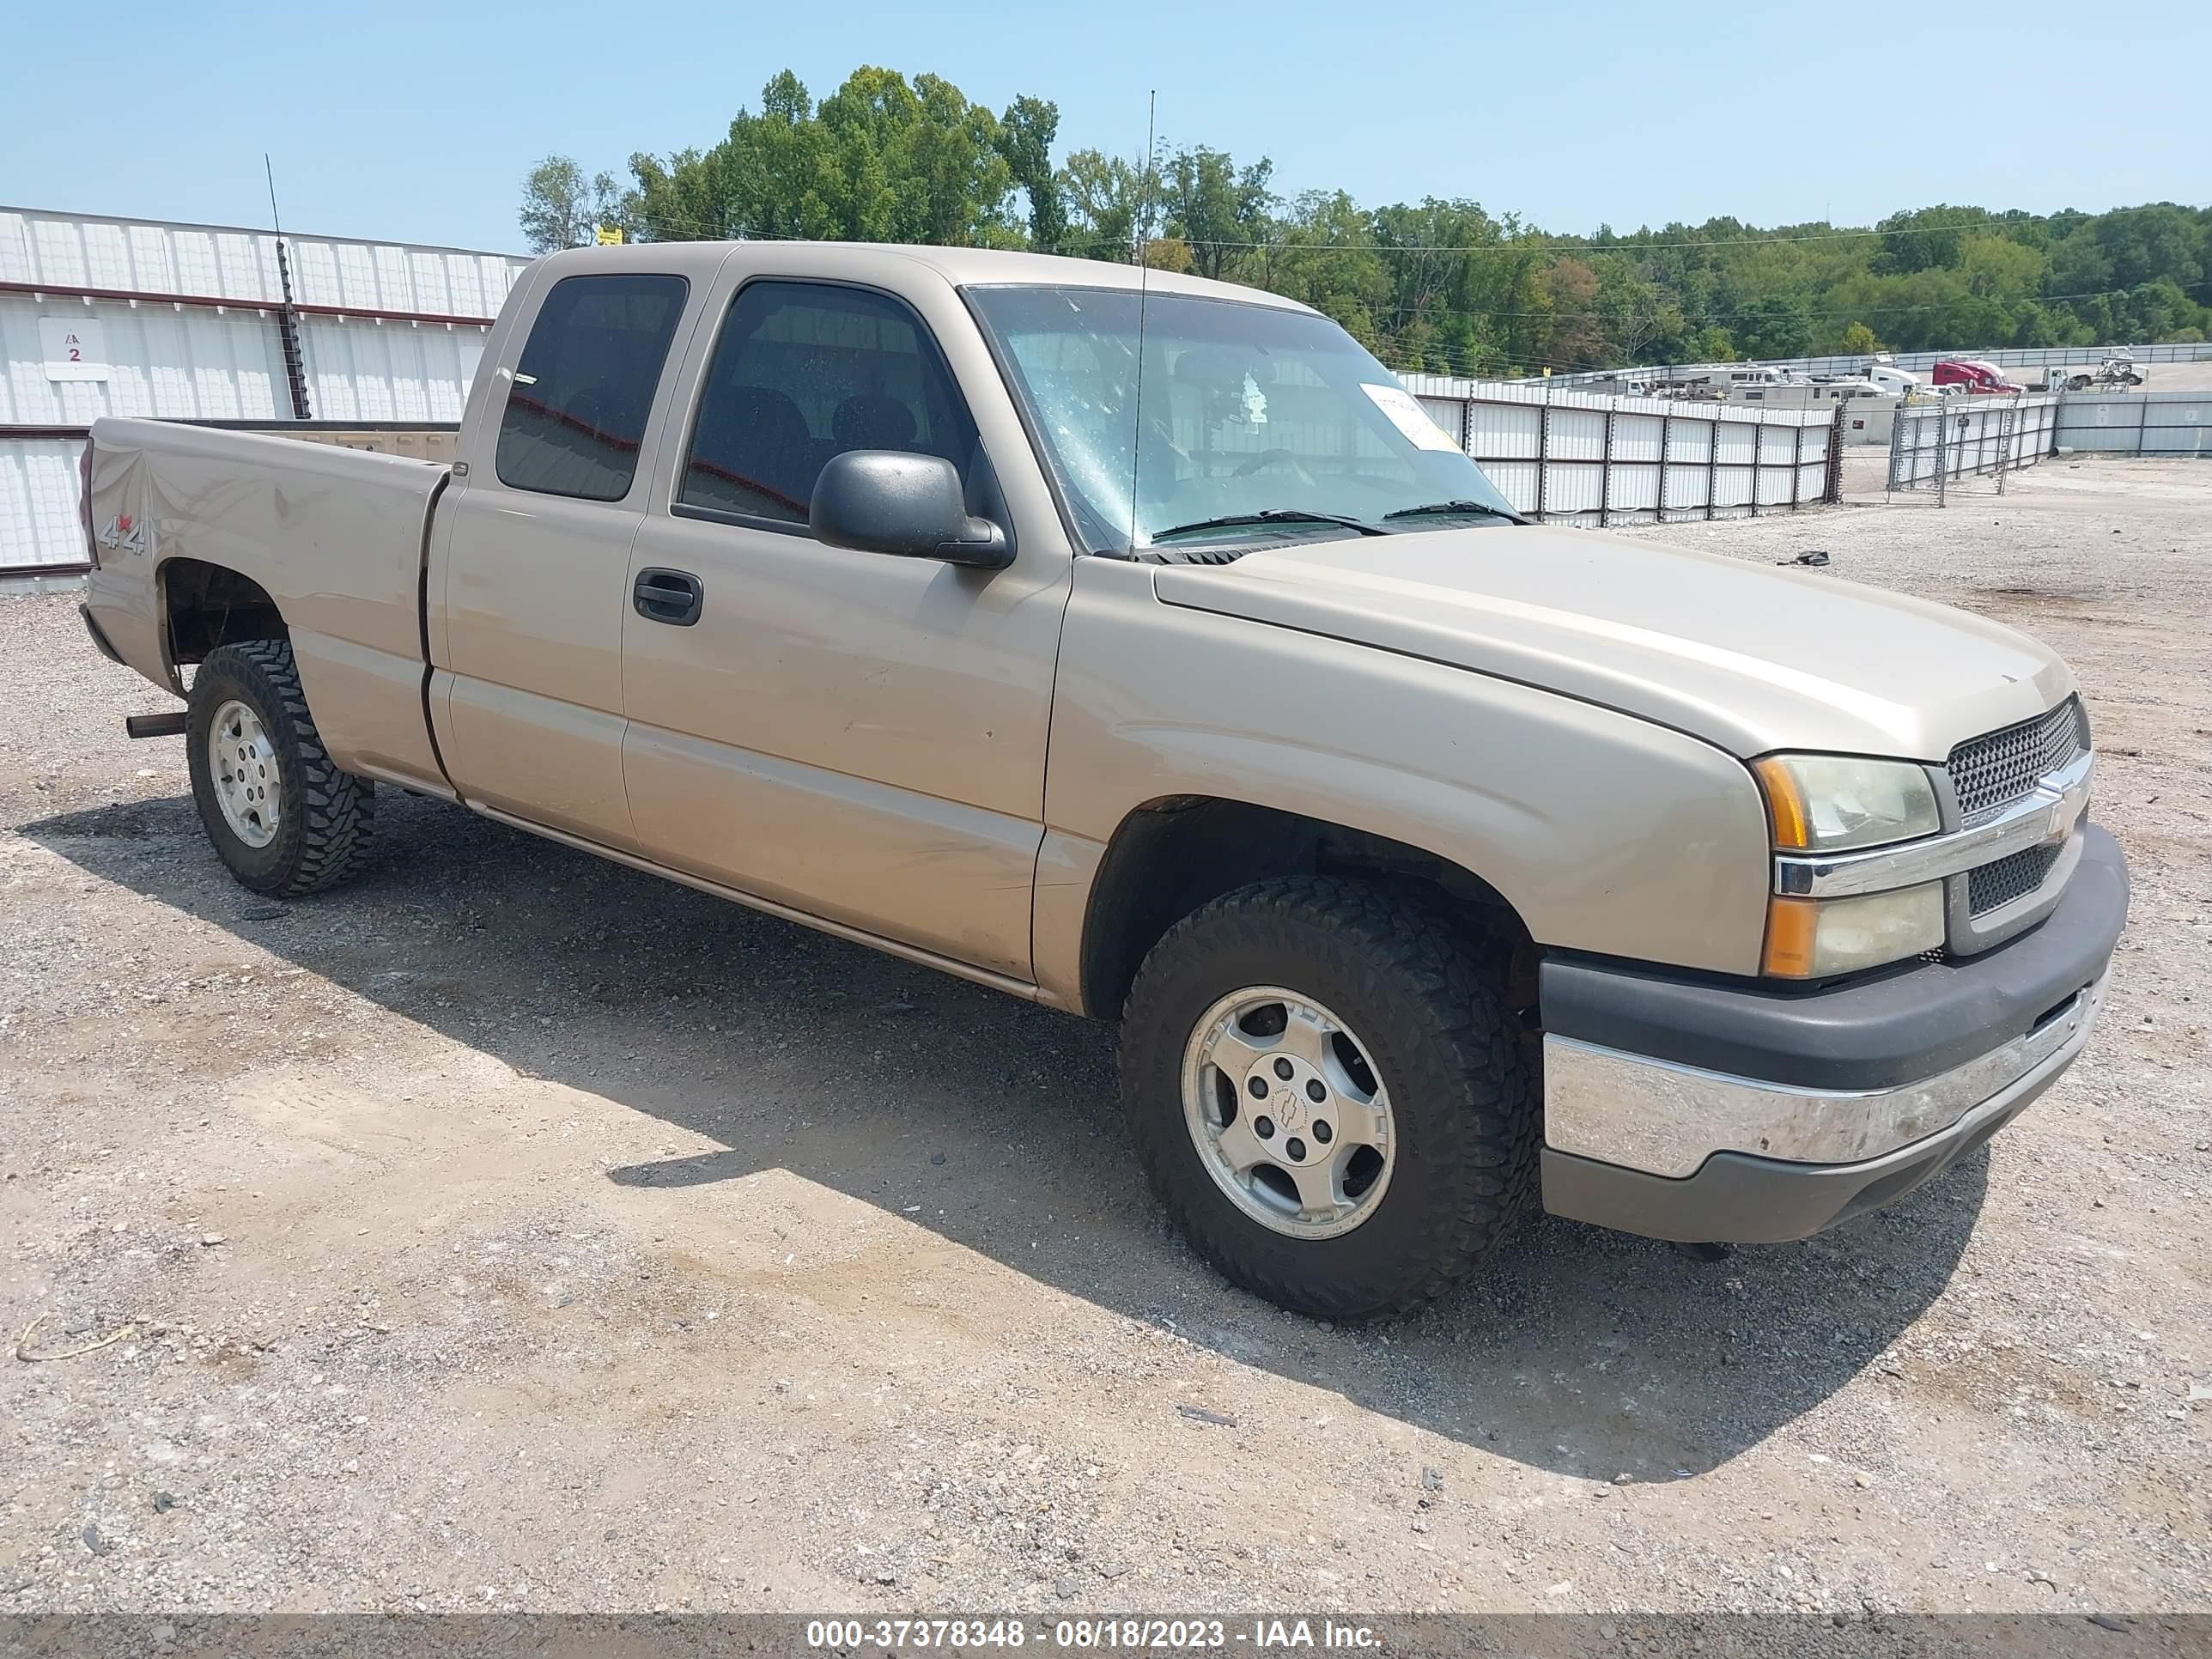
1987 773
1996 885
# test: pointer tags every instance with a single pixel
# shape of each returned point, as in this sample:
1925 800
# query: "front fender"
1607 833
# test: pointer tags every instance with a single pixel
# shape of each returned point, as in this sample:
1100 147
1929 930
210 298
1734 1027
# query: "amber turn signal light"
1793 823
1792 925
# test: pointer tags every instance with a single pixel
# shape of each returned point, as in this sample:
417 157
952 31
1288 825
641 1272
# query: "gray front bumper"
1738 1198
1668 1120
1706 1112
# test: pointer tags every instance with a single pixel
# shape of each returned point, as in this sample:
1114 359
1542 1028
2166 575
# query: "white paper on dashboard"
1409 418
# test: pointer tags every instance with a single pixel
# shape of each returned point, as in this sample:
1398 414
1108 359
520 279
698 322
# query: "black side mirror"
886 500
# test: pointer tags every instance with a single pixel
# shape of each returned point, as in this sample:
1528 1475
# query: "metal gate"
1937 440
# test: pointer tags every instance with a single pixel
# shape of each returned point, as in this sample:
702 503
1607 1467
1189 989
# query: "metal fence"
2013 357
2136 423
1935 441
1938 441
1920 361
1585 457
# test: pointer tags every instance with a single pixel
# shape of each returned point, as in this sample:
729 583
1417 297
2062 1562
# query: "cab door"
857 736
533 559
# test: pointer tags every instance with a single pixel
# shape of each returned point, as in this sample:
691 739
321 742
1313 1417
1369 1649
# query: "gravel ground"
512 1231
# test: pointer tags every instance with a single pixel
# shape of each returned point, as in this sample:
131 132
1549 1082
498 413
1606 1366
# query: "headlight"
1835 804
1814 939
1829 803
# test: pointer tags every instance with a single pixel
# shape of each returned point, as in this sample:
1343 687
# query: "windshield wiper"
1270 515
1457 510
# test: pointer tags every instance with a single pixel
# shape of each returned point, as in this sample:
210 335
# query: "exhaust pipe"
170 725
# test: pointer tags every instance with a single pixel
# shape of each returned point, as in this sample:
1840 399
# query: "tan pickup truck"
1137 646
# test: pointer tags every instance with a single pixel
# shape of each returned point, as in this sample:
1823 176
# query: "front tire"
283 818
1328 1092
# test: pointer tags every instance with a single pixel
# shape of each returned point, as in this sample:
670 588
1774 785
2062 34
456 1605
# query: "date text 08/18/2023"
1128 1633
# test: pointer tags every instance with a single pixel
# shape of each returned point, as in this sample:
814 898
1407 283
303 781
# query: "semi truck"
1971 374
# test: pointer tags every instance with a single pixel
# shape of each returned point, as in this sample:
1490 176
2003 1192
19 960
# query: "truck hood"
1752 657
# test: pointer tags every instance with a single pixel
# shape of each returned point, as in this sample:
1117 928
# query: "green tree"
1576 336
1713 344
1772 325
774 175
562 208
2160 311
1642 322
1323 255
1111 202
1997 268
2152 244
919 163
2079 265
1925 238
1434 253
881 159
1026 132
1859 341
1219 210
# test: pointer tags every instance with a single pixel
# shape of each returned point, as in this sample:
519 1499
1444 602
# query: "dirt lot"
512 1231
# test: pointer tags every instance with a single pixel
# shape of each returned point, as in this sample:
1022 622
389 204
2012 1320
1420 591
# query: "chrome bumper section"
1666 1119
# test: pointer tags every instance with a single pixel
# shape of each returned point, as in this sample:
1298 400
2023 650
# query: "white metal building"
102 316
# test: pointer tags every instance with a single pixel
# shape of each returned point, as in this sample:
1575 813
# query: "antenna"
269 167
1144 282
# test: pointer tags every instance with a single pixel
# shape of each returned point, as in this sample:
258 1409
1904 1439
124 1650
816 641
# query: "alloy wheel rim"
249 786
1288 1112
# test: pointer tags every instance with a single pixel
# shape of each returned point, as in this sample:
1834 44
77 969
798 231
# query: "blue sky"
416 122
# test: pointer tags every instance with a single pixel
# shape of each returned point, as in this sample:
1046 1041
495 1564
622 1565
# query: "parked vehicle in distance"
1727 378
1972 374
1135 644
1887 376
1720 381
2119 372
1814 394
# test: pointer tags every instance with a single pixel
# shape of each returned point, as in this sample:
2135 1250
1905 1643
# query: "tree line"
1441 285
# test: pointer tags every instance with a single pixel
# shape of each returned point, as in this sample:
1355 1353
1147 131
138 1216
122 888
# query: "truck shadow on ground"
994 1123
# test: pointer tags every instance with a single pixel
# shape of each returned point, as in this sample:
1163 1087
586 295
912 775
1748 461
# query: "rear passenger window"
805 371
575 417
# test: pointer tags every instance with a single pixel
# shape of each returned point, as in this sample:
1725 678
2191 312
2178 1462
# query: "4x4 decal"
124 534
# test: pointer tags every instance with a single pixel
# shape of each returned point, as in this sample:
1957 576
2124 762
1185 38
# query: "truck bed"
336 537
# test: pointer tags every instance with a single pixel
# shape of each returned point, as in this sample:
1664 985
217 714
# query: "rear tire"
1429 1032
282 816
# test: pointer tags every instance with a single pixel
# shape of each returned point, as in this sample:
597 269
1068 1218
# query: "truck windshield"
1256 422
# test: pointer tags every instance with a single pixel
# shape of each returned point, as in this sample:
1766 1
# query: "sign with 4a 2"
73 349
